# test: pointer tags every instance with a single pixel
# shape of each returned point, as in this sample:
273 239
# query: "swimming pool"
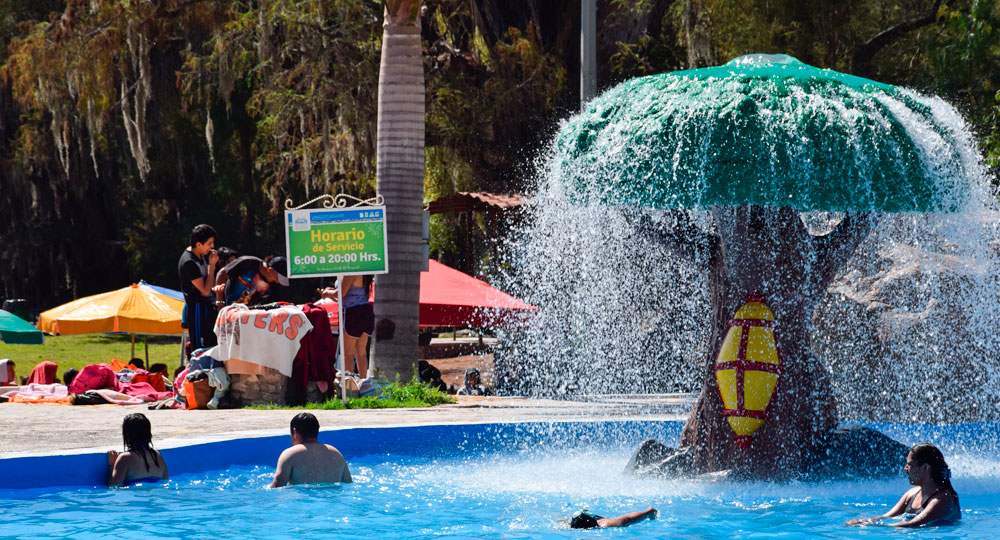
494 481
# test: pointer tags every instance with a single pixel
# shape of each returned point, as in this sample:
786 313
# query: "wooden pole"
183 339
468 241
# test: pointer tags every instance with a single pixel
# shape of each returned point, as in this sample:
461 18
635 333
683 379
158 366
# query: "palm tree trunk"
400 181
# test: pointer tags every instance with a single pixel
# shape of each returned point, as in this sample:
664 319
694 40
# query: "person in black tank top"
933 501
196 270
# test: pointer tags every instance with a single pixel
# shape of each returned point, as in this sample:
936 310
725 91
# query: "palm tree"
400 180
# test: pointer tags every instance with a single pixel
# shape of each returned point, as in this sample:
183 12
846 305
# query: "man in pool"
584 519
309 461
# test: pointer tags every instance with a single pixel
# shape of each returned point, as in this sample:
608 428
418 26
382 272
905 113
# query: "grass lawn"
79 351
394 395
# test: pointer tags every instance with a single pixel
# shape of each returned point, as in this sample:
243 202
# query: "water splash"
618 270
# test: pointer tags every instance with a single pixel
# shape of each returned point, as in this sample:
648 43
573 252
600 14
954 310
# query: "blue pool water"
504 482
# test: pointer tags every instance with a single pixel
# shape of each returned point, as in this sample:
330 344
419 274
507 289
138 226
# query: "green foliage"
416 390
992 142
309 68
964 54
648 56
471 145
394 396
469 142
963 57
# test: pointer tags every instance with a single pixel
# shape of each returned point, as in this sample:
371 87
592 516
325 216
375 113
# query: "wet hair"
928 454
138 437
69 375
200 234
584 519
306 424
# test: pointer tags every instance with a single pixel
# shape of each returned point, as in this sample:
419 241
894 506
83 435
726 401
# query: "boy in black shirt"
196 270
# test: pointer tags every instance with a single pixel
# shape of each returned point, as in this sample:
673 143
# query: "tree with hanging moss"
90 92
126 123
304 72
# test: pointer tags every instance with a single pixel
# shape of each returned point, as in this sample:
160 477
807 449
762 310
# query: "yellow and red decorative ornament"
748 368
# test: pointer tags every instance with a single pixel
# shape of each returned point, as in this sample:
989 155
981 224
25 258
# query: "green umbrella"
17 331
765 130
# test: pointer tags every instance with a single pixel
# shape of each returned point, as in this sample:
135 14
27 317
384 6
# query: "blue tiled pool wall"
444 441
420 441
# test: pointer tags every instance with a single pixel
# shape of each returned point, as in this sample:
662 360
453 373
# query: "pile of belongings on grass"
118 383
296 341
201 385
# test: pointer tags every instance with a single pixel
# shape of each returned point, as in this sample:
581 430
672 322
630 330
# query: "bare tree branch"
864 54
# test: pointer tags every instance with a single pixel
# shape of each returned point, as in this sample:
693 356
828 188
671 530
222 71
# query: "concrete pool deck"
31 430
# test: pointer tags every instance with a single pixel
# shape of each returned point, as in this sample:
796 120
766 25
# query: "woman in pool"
584 519
933 501
140 462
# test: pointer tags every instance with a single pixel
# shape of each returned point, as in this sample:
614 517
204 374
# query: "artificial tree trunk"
769 250
400 180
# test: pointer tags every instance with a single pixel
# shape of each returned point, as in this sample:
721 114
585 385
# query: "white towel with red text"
268 338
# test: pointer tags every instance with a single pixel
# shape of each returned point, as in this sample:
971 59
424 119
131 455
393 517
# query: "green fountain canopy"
766 130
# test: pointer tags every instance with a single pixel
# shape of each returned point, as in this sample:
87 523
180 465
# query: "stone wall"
261 389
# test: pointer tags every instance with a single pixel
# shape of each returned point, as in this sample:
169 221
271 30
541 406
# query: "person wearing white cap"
7 376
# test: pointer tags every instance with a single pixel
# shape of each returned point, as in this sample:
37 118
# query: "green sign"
328 242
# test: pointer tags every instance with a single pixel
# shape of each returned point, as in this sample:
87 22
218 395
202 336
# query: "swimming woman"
933 501
585 519
140 462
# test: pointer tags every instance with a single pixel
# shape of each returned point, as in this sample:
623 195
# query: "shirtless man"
309 461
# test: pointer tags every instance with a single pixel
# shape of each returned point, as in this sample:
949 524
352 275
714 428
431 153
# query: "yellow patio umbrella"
135 309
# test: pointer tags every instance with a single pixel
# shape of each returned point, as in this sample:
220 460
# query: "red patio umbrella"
449 297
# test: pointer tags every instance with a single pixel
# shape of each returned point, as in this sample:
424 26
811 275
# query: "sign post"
336 240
